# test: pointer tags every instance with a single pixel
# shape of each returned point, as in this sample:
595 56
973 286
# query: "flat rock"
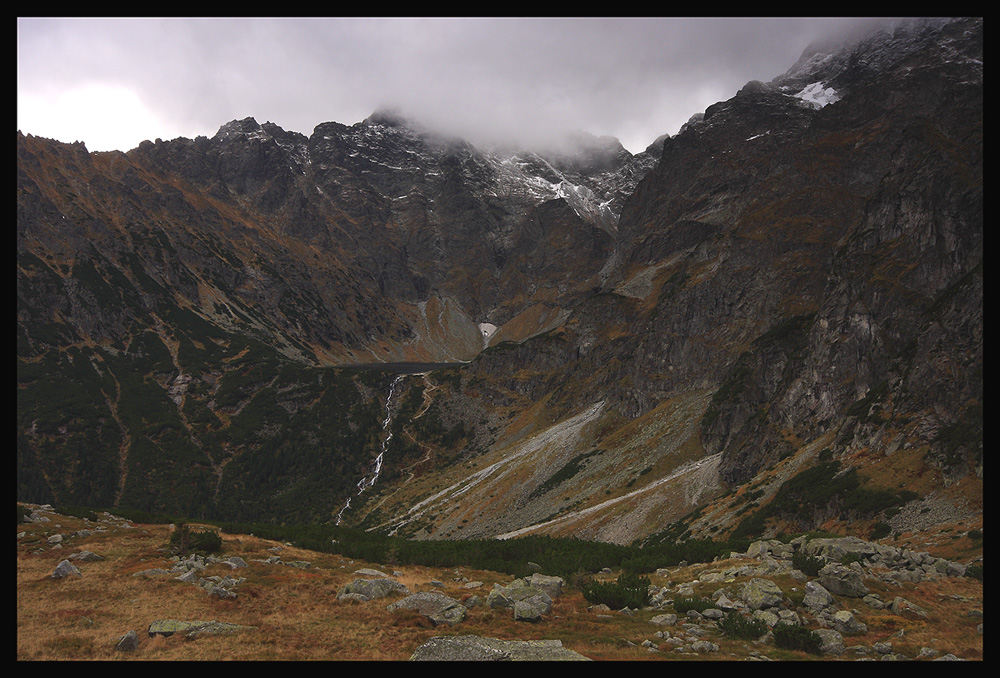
85 556
478 648
374 588
191 629
369 572
437 607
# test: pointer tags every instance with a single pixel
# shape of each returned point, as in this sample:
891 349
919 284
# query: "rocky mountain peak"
852 62
390 117
238 128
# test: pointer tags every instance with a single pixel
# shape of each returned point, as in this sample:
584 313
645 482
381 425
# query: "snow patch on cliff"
818 95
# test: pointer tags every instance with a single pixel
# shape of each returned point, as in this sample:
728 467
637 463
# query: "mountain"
769 322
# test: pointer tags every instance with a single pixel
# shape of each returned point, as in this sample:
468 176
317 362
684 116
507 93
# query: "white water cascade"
370 479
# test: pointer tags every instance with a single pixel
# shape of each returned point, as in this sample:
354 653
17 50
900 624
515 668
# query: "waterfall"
370 479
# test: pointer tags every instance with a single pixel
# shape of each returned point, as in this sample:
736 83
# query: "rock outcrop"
437 607
478 648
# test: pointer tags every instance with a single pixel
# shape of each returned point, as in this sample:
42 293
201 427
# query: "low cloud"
523 80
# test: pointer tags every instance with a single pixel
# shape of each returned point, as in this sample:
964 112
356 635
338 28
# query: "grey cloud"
533 78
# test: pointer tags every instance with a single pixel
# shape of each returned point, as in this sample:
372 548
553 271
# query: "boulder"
902 607
437 607
221 593
668 619
189 577
66 569
874 601
769 617
842 581
478 648
234 562
847 624
831 642
789 617
531 609
704 647
127 643
817 597
373 588
519 589
883 647
836 548
550 584
369 572
760 594
85 556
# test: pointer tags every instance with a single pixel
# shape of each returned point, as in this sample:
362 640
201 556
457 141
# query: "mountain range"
768 322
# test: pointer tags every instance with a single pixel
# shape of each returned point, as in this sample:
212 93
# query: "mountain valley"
766 324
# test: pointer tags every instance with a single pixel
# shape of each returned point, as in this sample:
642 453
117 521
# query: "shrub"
849 558
628 591
974 571
682 605
77 512
810 565
794 637
737 626
880 530
207 542
187 541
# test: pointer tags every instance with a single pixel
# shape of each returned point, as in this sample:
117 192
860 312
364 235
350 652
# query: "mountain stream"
370 479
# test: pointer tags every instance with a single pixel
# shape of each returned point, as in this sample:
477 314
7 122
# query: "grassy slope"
295 614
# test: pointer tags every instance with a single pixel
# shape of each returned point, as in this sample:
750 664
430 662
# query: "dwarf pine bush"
629 590
794 637
810 565
735 625
682 605
188 541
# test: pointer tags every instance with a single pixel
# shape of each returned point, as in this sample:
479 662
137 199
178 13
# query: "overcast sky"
113 83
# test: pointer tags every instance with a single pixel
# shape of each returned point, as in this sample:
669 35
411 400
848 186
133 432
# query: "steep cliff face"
913 164
809 253
790 254
800 268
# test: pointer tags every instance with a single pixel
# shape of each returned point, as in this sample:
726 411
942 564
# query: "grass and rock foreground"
108 589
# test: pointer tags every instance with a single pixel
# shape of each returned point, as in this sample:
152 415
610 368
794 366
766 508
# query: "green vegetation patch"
820 490
794 637
685 605
736 626
570 469
629 590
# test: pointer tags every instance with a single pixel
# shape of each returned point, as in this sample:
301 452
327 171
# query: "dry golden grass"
295 616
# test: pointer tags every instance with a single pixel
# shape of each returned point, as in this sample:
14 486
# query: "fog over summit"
112 83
